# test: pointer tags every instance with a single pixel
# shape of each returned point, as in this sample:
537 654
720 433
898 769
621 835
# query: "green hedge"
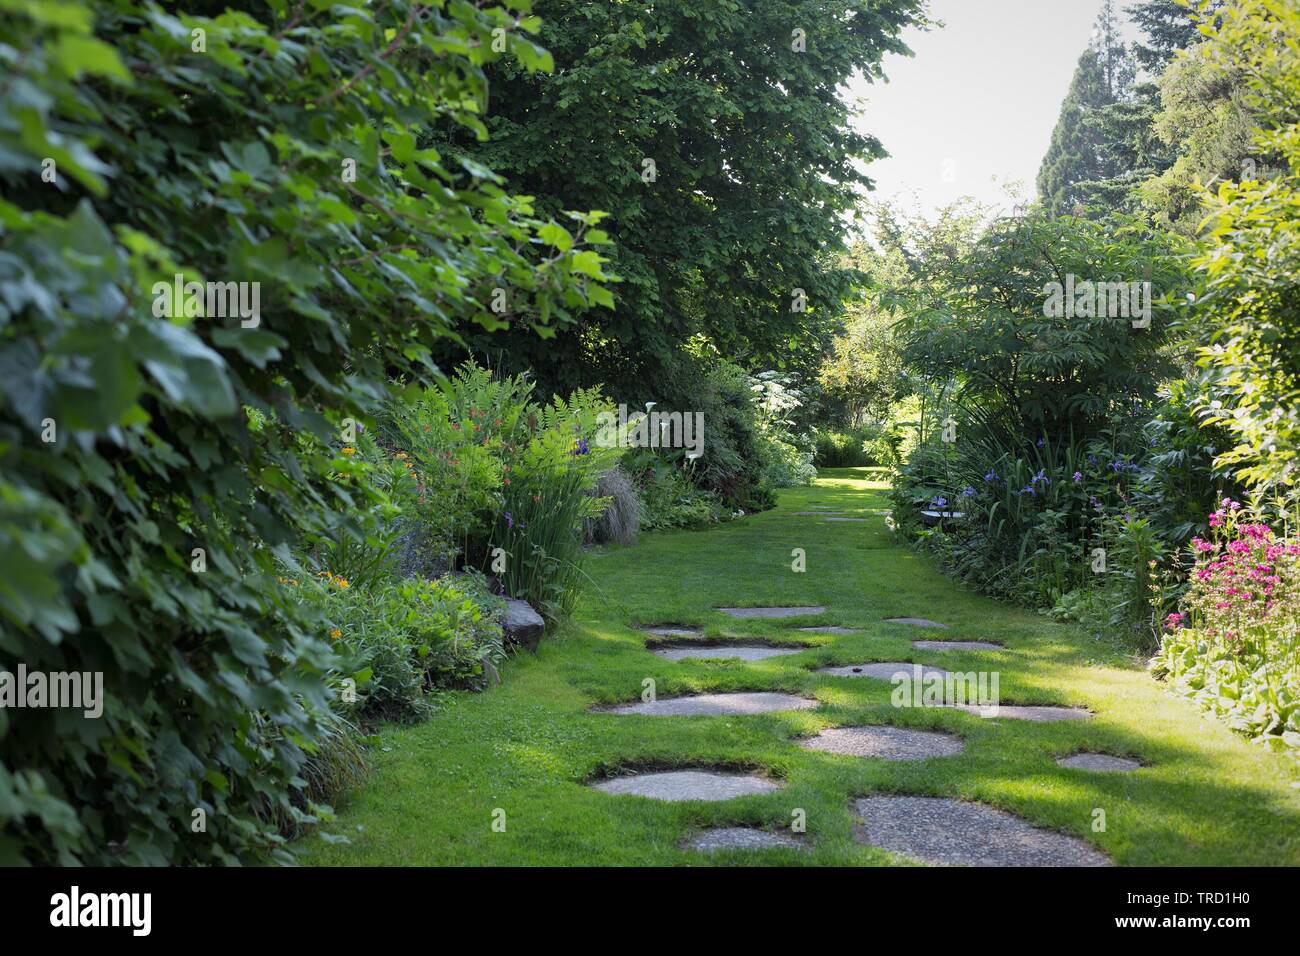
141 519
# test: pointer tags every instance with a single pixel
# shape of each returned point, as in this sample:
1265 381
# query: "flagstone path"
648 731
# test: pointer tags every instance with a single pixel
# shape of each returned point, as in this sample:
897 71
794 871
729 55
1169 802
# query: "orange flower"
335 634
348 450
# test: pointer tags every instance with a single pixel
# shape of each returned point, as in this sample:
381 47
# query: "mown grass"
1205 796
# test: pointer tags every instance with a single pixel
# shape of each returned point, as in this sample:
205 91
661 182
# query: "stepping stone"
957 646
773 611
1035 713
831 630
881 512
1102 763
882 670
887 743
672 631
743 652
677 785
846 519
916 621
947 832
742 838
816 514
734 705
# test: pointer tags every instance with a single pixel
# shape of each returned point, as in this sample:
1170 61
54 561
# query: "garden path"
812 764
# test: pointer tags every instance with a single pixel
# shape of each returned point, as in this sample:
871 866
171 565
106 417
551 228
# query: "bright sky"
979 99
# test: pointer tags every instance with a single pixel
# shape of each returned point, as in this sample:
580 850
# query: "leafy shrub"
498 470
735 452
841 449
787 460
1234 644
143 512
398 641
1250 262
669 498
1034 513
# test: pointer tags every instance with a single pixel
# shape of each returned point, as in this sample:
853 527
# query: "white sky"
979 99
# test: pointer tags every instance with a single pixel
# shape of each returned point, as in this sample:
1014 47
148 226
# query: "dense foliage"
714 136
1067 459
159 464
503 480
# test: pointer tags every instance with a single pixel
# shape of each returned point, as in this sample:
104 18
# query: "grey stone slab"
957 646
817 514
742 652
847 519
832 630
914 621
802 611
948 832
735 705
672 631
678 785
521 624
1034 713
742 838
883 670
1102 763
887 743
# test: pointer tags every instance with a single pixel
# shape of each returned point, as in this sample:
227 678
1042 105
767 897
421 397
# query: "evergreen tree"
1083 149
1167 26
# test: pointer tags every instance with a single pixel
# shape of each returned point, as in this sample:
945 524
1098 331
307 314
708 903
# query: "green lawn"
1206 795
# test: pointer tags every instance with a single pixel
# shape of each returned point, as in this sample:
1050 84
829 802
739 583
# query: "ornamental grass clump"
1233 645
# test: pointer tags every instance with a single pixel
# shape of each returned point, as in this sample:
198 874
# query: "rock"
742 652
884 742
678 785
1102 763
742 838
696 705
1038 714
947 832
521 624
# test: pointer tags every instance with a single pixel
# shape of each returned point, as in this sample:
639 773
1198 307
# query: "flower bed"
1233 644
